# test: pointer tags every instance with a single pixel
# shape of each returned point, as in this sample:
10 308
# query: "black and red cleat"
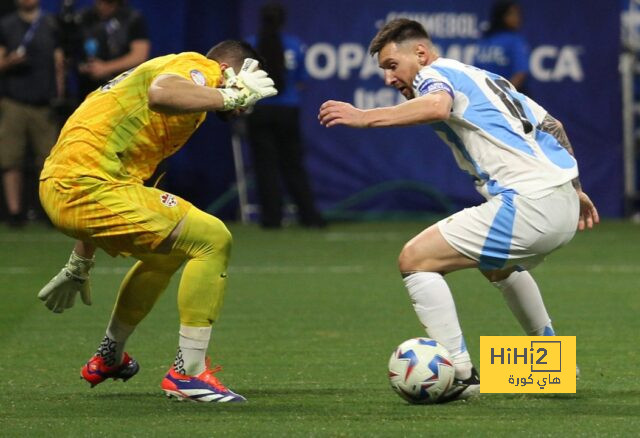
96 371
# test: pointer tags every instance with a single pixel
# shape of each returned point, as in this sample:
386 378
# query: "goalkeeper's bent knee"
206 241
202 235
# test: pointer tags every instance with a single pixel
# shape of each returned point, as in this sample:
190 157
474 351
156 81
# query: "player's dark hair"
496 18
269 42
233 52
397 31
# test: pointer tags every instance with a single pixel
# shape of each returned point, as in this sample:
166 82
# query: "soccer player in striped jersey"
521 161
92 188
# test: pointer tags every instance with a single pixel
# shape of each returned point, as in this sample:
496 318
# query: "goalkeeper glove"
60 293
246 88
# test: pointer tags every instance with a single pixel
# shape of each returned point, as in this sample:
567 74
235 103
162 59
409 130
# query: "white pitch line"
241 270
364 237
620 269
347 269
34 237
550 266
17 270
331 236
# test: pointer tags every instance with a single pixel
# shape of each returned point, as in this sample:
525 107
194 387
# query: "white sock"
112 346
522 295
192 350
436 310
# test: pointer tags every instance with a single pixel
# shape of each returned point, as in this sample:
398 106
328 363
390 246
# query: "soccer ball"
421 370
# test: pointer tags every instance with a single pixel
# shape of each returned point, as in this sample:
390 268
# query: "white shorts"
511 230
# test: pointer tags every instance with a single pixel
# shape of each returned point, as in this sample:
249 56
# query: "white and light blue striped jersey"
492 131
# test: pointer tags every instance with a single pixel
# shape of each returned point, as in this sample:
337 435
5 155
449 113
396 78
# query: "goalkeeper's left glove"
60 293
246 88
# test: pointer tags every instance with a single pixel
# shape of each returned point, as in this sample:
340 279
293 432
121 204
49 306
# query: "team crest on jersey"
168 200
197 77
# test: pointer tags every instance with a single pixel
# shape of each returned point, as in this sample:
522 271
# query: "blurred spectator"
6 7
630 69
31 65
630 18
274 128
113 38
503 50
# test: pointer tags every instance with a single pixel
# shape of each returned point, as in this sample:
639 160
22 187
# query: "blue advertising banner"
573 74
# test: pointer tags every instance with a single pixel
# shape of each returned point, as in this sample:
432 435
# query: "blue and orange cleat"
95 371
204 387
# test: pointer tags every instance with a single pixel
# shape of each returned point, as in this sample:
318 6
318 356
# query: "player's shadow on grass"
274 392
249 393
550 396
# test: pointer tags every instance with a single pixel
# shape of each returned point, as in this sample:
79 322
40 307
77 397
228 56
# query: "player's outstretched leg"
206 242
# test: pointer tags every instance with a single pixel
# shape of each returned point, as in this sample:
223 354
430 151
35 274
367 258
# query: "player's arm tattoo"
554 127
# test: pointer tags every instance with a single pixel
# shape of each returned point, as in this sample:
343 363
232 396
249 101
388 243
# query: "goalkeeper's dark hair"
397 31
233 52
269 42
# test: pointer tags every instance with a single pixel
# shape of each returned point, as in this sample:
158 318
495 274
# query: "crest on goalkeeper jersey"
168 200
197 77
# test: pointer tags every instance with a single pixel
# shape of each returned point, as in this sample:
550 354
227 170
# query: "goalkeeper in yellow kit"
92 189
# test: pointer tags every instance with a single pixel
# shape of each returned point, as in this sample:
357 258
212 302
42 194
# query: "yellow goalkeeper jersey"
114 135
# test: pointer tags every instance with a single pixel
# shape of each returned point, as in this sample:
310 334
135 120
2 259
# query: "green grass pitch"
309 322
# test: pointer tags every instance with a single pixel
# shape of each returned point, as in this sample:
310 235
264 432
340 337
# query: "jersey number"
115 81
502 88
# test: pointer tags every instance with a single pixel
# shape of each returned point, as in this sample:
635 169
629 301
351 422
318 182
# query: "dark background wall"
575 57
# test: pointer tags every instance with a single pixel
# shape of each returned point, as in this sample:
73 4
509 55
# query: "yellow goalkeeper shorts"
120 218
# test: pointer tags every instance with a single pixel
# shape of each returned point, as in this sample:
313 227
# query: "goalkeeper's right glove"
60 293
248 87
